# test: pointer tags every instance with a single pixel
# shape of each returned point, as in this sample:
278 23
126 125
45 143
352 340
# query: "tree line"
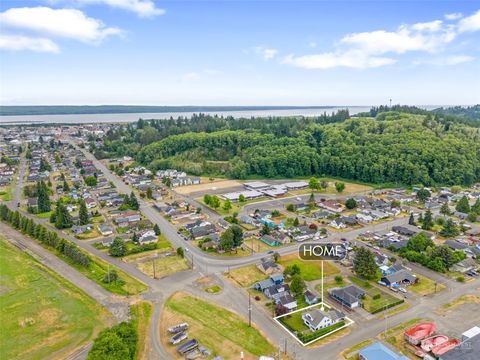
45 236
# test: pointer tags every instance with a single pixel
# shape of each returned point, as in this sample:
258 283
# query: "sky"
145 52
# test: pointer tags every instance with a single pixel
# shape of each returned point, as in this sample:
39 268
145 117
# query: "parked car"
403 290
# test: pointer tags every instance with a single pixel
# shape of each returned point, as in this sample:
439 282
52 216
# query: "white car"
403 290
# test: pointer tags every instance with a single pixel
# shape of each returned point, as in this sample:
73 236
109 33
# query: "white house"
316 319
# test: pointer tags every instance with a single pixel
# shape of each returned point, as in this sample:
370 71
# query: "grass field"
246 276
164 266
236 206
40 312
141 315
425 286
221 331
309 270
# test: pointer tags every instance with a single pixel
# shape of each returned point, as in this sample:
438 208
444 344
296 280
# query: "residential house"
80 229
105 229
331 205
311 297
268 266
400 277
317 319
349 296
287 300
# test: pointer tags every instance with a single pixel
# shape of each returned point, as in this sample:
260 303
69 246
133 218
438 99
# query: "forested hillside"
395 147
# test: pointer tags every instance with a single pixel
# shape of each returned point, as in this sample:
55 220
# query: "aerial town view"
239 180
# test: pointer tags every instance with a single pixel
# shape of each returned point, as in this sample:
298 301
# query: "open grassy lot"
236 206
309 270
141 315
375 299
207 185
221 331
40 312
425 286
164 265
258 246
246 276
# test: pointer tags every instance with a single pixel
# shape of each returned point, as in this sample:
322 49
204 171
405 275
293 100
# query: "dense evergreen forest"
407 146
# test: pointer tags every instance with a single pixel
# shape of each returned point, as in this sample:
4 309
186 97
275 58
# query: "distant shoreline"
128 109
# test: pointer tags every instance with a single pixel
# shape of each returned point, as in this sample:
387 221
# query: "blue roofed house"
378 351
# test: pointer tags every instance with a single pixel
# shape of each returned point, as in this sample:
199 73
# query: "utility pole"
249 310
285 347
153 263
323 299
109 281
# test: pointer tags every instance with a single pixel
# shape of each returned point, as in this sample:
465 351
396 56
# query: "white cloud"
351 59
368 49
453 16
458 59
18 42
266 53
470 23
143 8
67 23
189 77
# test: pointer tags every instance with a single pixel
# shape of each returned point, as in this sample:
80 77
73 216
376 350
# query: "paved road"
237 299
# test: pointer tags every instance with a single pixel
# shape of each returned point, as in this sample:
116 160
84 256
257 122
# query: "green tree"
411 220
427 220
449 229
463 205
351 203
43 199
156 228
226 240
296 222
290 207
149 193
314 183
423 195
66 188
340 186
83 216
364 263
241 198
476 207
227 205
62 217
445 210
180 252
118 247
91 181
133 202
297 285
472 217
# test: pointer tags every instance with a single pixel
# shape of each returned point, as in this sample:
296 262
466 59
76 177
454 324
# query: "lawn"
309 270
42 313
45 215
141 315
425 286
375 299
6 194
330 284
164 265
223 332
246 276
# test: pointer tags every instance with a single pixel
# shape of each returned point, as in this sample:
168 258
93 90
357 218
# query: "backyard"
375 299
309 270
